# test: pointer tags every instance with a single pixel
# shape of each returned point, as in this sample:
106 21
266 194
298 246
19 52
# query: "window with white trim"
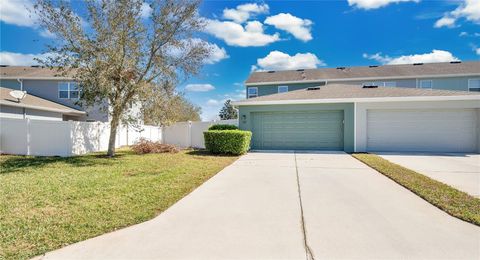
68 90
474 85
282 89
427 84
252 92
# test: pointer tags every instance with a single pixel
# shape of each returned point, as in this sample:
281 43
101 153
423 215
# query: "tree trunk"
113 133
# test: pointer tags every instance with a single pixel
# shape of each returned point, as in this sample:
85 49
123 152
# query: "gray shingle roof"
28 72
405 70
343 91
35 102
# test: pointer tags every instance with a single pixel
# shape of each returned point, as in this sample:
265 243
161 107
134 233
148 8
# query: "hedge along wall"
227 141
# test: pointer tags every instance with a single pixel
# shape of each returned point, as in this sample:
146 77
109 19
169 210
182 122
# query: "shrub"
223 127
144 146
227 141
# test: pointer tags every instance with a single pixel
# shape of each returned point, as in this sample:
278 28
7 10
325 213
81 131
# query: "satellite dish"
19 95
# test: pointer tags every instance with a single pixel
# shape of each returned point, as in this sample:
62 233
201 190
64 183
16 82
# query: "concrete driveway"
291 206
461 171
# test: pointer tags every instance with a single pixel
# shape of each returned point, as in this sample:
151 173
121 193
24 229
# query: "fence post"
189 133
28 136
72 136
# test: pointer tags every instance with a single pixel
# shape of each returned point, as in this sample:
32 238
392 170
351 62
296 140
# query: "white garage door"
453 130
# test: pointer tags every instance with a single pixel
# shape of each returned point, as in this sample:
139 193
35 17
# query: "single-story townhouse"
361 118
33 107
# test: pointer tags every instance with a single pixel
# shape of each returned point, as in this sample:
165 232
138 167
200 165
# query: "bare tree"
121 48
168 108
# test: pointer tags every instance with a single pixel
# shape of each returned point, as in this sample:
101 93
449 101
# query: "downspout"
21 88
355 127
21 84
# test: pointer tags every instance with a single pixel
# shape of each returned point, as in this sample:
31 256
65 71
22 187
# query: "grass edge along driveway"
454 202
51 202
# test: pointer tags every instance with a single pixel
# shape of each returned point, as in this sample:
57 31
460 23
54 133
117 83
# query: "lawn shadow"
204 152
19 162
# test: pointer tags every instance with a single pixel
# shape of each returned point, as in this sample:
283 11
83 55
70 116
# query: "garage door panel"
298 130
453 130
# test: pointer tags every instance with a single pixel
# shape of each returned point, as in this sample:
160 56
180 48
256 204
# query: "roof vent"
373 66
313 88
417 64
370 86
301 70
455 62
271 71
3 66
340 68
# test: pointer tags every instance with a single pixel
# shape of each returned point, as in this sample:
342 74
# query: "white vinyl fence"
190 134
67 138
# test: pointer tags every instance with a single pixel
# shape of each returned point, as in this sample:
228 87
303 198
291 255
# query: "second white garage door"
453 130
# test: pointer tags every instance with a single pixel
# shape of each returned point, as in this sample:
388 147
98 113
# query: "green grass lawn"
456 203
50 202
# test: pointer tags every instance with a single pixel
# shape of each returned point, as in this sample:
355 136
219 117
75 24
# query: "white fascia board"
361 78
64 111
357 100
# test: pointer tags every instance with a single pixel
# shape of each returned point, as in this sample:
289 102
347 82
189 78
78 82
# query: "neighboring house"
464 76
45 83
356 118
33 107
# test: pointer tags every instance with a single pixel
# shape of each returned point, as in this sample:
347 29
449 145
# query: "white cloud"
477 51
199 87
215 102
20 59
469 10
466 34
243 12
434 56
17 12
47 34
146 10
217 54
445 21
373 4
235 34
277 60
298 27
22 13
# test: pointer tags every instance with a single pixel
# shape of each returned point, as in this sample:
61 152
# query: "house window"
282 89
428 84
474 85
252 92
68 90
390 84
63 90
74 92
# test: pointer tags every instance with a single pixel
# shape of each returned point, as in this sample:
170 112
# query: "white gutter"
64 111
358 100
360 78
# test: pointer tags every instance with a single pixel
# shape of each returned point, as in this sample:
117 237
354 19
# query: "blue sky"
274 35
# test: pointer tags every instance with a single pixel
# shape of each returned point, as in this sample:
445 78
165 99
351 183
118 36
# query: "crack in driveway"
308 251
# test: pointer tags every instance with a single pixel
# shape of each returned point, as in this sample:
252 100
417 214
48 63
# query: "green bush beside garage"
227 141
